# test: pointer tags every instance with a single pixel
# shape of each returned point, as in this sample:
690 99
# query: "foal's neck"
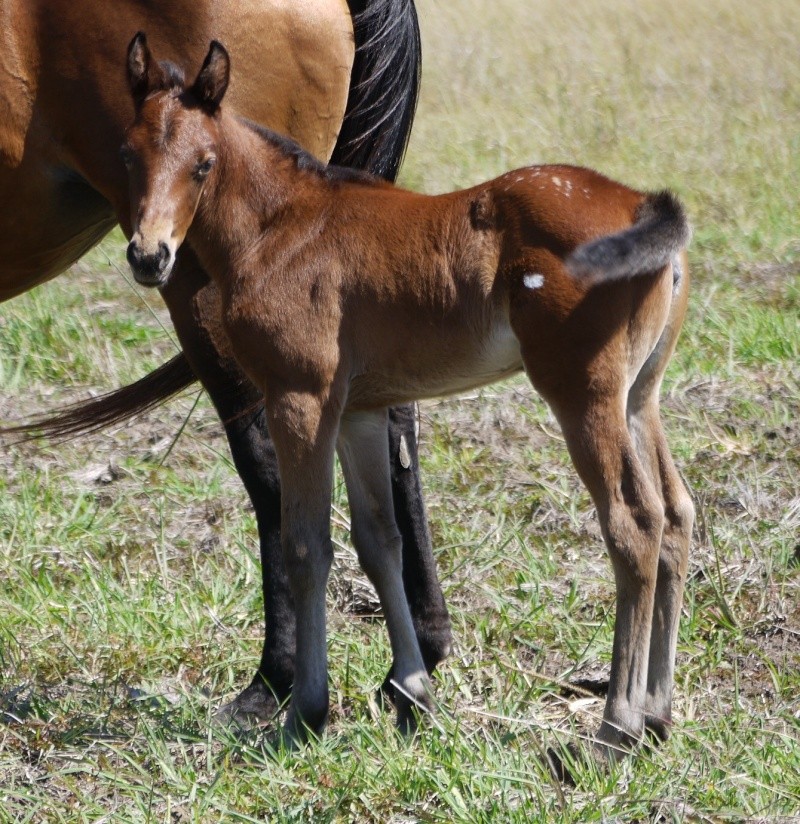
253 184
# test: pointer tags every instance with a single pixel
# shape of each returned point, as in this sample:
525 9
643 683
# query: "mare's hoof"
254 707
567 762
657 730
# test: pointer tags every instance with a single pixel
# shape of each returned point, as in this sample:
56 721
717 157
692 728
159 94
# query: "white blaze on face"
152 237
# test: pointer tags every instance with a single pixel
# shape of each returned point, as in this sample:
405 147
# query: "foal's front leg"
195 308
303 428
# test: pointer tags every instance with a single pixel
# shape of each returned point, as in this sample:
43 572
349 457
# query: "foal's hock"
343 294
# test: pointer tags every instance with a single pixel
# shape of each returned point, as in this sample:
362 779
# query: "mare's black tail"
383 87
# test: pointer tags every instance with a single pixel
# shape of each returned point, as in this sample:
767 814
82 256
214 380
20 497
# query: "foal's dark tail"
384 86
659 232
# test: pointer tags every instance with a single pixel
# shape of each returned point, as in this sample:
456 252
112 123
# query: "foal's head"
170 151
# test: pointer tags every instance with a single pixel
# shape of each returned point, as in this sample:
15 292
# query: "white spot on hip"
533 280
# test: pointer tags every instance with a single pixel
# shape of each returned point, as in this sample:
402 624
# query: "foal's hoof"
254 707
413 699
657 730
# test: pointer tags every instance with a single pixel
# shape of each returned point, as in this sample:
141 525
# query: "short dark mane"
173 76
307 162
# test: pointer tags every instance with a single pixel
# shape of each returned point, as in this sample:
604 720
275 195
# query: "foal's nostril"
149 269
163 256
134 254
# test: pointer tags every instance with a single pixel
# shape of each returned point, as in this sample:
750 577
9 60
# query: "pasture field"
129 581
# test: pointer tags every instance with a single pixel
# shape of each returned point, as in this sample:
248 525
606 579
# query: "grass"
130 598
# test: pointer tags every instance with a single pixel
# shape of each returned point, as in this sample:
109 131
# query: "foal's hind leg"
651 445
631 517
365 464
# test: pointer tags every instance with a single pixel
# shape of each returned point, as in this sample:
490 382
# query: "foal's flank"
343 295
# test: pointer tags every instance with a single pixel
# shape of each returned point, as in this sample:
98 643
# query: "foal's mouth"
150 269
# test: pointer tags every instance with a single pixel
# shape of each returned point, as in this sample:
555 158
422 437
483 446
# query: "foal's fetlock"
435 644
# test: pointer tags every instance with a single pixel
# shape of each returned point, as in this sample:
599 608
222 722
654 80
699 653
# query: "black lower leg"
195 307
256 462
420 578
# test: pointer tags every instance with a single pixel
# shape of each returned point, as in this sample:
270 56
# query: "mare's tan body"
64 105
343 297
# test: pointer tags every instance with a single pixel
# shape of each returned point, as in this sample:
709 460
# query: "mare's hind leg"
631 517
420 579
365 464
651 445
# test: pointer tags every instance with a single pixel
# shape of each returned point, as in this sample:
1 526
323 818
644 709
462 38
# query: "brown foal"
343 295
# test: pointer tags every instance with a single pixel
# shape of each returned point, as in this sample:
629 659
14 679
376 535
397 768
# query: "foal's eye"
203 167
126 154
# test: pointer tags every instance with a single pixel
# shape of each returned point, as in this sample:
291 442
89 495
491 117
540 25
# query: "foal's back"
412 296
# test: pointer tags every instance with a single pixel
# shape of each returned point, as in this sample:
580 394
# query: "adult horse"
64 103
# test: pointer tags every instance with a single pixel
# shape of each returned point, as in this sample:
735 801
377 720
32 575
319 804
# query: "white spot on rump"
533 280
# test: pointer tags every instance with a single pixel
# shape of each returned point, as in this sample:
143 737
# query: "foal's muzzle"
150 269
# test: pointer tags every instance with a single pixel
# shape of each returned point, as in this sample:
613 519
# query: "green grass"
129 583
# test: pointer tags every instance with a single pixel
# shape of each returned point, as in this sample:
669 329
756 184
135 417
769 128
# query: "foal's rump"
443 294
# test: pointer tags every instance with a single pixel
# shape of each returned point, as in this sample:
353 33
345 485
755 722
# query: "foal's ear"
212 81
144 74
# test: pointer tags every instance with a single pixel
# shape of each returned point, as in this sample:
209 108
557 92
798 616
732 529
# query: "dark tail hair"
384 86
659 232
113 407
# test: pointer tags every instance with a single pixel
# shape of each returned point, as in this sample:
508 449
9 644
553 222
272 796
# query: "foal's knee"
307 556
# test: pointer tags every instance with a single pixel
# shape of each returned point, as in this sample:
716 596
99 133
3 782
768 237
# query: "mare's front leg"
375 534
195 308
